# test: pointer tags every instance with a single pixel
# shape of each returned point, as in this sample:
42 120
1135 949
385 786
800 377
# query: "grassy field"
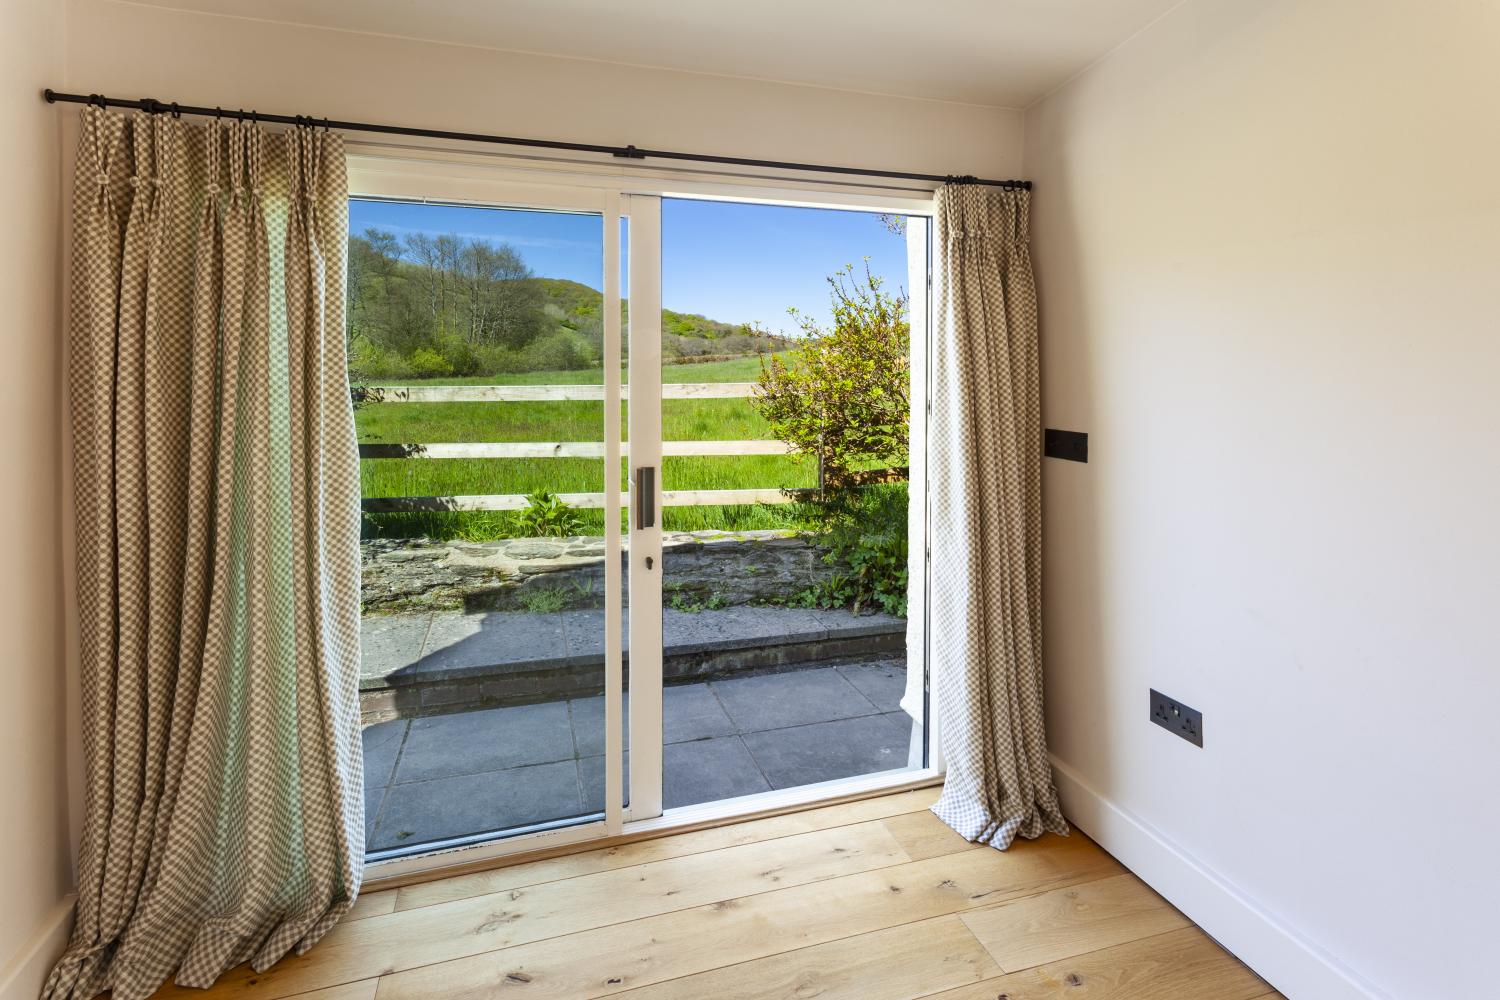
682 420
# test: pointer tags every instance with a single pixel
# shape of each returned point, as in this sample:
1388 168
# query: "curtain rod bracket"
630 153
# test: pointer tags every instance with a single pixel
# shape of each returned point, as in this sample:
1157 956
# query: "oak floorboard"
679 845
897 963
372 904
1073 921
922 835
1179 965
362 990
406 939
643 952
868 900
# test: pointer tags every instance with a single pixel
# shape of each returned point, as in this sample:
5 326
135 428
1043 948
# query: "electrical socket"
1176 718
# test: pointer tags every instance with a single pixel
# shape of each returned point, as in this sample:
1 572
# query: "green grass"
682 420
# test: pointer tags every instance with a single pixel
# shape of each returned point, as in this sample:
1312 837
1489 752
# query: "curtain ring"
176 111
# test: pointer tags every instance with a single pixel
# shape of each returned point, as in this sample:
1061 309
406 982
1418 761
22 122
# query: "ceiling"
1005 53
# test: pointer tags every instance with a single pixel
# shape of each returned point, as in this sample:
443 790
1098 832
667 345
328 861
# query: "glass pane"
786 385
475 357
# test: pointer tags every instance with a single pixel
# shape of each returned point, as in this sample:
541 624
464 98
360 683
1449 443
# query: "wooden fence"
556 449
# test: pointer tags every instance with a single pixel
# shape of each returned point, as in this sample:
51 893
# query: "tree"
843 395
504 304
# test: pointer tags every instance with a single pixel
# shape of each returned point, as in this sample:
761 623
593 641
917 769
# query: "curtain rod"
152 106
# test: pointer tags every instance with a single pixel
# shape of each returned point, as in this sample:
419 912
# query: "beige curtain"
218 566
985 474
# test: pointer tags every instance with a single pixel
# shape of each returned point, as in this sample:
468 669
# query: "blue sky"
731 262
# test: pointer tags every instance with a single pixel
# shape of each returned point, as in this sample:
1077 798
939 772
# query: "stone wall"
701 569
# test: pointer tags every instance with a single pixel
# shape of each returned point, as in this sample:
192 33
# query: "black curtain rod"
153 106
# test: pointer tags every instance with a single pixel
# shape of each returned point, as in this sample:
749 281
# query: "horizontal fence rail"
558 449
583 501
565 449
542 393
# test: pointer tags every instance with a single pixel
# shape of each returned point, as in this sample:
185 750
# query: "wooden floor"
869 900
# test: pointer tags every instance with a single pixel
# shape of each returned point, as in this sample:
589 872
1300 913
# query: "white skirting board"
1282 955
23 976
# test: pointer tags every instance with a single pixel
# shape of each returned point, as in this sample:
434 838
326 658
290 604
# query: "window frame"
465 176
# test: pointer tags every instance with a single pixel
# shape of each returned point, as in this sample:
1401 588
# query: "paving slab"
740 627
583 633
492 739
390 642
846 622
708 771
883 681
689 712
373 799
436 647
823 751
588 724
591 780
424 811
447 776
381 743
793 698
459 643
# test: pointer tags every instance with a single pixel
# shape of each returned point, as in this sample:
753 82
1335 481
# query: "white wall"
125 49
1267 240
35 866
129 50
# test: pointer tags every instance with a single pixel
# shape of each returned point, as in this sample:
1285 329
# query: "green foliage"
681 599
427 363
843 394
864 538
542 600
548 515
424 306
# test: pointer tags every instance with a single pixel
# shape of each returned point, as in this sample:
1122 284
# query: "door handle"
645 497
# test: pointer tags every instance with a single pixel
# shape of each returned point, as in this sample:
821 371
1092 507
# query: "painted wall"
35 866
121 48
1267 238
126 49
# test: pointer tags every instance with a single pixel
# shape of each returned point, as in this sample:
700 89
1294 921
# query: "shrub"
427 363
843 394
864 538
548 515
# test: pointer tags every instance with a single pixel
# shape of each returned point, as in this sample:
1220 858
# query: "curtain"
985 484
217 500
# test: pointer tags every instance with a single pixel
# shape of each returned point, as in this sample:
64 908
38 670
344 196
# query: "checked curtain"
985 462
217 501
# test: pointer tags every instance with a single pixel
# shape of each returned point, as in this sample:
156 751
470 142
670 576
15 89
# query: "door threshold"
554 843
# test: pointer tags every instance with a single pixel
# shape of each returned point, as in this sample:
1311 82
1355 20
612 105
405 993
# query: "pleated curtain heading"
217 495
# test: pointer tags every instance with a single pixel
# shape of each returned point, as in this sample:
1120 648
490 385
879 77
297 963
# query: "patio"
443 776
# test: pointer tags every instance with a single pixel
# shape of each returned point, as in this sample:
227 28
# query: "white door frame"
449 177
645 542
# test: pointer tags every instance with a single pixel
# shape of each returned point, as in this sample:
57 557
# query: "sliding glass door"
637 504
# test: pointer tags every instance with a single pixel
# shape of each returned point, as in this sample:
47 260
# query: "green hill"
430 307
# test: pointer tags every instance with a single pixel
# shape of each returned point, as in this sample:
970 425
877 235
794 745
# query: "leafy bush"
427 363
843 394
548 515
864 539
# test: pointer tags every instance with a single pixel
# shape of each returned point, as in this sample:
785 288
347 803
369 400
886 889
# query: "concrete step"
433 662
